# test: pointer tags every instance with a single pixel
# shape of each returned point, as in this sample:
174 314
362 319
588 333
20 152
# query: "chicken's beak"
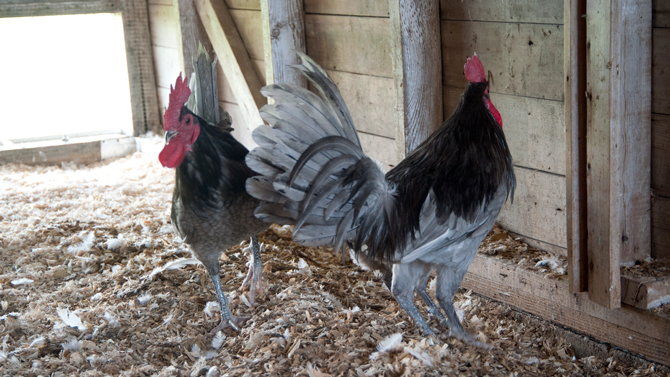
169 135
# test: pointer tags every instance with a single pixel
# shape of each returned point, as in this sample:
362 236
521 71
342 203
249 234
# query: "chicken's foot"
254 275
227 318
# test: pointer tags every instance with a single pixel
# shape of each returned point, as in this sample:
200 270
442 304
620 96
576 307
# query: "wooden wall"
165 40
660 128
520 44
351 39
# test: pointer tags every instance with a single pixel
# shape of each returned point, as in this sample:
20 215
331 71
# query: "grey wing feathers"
314 173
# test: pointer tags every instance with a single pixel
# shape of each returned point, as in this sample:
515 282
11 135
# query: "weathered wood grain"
283 38
534 128
660 154
192 34
160 2
52 8
661 13
630 146
379 148
603 275
538 210
370 101
416 58
225 91
374 8
645 293
638 331
660 91
538 12
248 23
618 141
141 70
574 69
163 23
244 4
350 44
234 59
522 59
660 231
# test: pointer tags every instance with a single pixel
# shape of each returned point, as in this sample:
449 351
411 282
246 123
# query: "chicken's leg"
423 293
405 277
227 318
253 279
448 281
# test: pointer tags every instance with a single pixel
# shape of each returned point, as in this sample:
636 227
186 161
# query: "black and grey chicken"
429 212
211 210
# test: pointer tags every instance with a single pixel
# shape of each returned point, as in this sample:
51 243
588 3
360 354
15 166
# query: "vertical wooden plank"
575 127
618 141
234 60
283 37
630 124
141 70
603 273
417 68
192 33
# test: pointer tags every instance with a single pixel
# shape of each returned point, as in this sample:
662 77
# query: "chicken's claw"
234 322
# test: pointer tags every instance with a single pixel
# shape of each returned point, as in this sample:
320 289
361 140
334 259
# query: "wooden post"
575 126
141 70
192 32
283 36
417 71
618 141
233 58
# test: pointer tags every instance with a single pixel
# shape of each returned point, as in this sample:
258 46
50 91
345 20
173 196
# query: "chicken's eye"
188 120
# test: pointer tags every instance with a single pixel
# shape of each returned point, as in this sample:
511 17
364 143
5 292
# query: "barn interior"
574 279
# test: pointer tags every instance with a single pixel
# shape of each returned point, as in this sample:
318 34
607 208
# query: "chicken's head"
181 126
474 72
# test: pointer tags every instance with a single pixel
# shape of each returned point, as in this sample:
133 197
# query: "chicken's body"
430 212
211 209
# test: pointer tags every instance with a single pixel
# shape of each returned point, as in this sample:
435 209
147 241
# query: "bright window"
63 75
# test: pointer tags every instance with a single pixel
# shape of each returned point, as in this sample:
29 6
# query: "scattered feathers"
390 343
71 319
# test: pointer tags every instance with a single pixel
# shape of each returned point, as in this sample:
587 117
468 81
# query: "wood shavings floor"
78 297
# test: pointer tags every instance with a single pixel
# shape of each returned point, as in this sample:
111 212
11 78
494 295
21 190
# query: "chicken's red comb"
178 97
474 70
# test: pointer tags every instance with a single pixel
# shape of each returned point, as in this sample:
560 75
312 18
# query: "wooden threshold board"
81 150
638 331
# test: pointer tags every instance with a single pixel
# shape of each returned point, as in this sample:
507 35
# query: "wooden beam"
574 68
52 8
80 150
283 37
645 293
141 68
192 32
417 68
641 332
618 141
630 116
233 58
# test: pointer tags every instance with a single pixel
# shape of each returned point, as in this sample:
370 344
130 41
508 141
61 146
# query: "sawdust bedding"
93 282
